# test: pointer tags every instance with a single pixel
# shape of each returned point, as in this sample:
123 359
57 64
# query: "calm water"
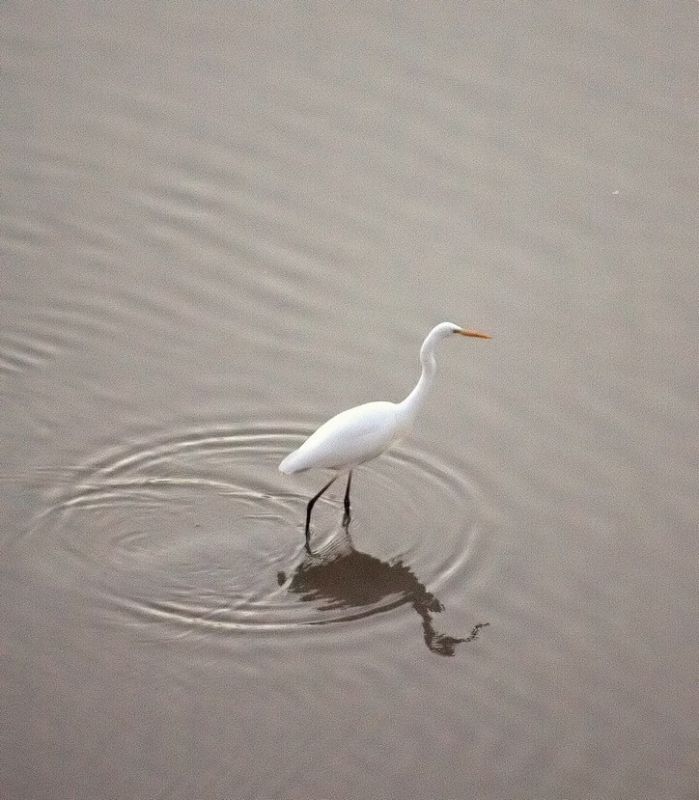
222 223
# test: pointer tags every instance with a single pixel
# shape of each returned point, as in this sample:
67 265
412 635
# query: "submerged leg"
346 518
309 508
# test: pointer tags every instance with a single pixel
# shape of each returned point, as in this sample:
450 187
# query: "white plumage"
364 432
348 439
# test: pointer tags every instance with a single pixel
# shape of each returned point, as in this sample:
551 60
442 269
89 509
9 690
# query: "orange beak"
476 334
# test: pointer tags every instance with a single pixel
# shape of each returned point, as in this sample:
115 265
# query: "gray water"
221 223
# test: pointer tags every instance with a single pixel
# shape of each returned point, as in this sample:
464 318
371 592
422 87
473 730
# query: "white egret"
361 433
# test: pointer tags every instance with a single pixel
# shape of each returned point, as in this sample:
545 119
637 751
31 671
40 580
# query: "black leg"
349 483
346 518
309 508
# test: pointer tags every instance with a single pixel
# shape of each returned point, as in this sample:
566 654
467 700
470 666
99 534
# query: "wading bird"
361 433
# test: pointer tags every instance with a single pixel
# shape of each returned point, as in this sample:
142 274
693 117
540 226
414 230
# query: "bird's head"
445 329
442 331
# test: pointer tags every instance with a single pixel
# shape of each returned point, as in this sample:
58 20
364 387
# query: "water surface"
219 225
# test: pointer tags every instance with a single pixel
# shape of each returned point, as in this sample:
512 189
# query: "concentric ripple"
197 528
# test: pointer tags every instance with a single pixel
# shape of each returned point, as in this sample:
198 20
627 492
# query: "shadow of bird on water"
342 577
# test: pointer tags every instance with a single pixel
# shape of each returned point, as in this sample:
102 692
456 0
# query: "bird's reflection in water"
339 576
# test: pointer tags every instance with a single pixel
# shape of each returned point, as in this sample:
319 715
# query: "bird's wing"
349 438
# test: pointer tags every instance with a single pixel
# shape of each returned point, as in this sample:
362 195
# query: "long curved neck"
416 399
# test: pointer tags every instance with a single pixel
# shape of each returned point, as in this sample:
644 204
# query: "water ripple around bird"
197 528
